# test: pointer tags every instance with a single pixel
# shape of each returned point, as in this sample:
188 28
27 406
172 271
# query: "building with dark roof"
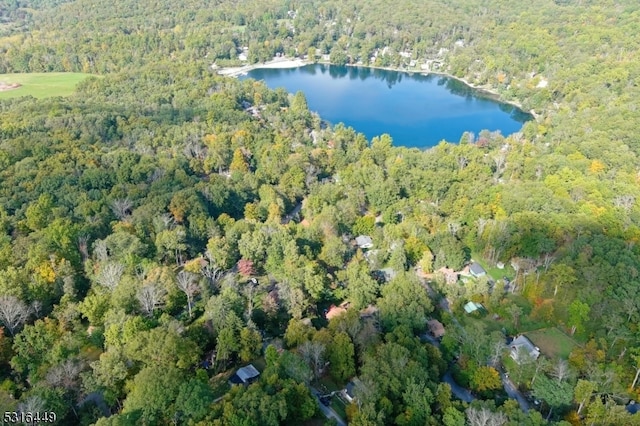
477 270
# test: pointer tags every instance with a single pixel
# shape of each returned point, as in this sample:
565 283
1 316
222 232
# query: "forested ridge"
164 225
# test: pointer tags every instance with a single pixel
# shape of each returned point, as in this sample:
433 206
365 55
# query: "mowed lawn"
552 342
41 85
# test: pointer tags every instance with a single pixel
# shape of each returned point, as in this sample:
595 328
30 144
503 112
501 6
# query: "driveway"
460 392
513 392
327 411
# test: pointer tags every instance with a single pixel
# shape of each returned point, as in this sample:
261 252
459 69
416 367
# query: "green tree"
152 391
485 378
342 357
556 394
361 289
453 417
250 344
578 314
404 301
194 399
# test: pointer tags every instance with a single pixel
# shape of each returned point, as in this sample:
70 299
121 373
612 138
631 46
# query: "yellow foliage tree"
596 167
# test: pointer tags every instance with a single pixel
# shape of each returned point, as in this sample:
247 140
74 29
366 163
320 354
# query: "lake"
417 110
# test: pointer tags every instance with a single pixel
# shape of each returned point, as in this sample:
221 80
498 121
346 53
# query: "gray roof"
247 373
364 241
477 269
349 389
523 342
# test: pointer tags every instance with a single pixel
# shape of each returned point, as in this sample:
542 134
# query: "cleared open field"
552 342
41 85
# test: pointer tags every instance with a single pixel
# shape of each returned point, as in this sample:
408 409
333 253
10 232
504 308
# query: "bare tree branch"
83 247
485 417
65 375
32 404
313 354
13 312
121 208
561 370
186 282
150 296
110 275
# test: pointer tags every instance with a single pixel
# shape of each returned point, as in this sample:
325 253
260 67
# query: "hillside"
148 250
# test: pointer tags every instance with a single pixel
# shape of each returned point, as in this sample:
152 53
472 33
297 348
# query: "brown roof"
436 328
335 311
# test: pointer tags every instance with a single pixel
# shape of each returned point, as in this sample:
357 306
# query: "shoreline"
277 63
283 63
491 93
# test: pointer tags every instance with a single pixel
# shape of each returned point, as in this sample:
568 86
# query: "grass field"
494 272
552 342
41 85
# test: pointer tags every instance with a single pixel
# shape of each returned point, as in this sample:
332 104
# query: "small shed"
436 328
245 375
348 392
472 307
477 270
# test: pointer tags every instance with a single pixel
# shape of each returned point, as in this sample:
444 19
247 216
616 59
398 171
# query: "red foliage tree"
245 267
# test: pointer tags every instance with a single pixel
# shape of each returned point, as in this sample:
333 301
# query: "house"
522 344
450 276
364 241
477 270
436 328
335 311
245 375
472 307
388 274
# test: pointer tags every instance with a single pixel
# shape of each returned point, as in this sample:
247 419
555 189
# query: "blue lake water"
416 110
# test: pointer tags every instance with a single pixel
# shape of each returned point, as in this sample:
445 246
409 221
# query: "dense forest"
156 234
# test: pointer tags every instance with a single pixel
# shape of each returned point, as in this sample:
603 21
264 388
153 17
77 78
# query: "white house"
364 241
521 345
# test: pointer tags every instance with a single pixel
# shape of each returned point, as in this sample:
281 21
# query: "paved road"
327 411
460 392
457 390
514 393
292 214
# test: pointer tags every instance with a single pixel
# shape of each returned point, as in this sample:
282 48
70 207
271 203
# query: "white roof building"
472 307
522 344
364 241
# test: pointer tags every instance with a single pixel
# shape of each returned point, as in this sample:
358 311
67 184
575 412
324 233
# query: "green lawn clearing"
41 85
493 271
552 342
339 406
